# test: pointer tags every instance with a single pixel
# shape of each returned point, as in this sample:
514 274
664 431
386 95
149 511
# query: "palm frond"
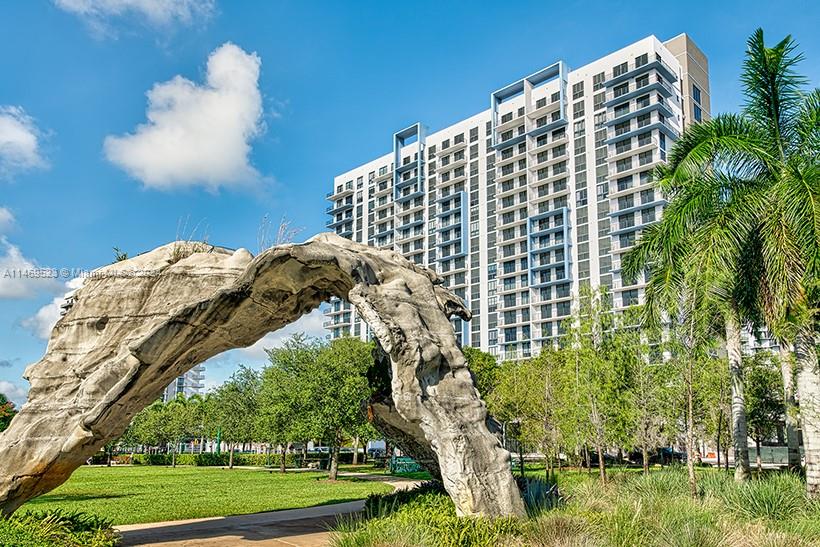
772 87
807 127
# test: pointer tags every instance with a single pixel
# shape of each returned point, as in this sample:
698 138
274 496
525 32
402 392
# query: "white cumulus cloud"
309 324
20 276
158 13
15 393
19 142
219 368
6 220
197 134
41 323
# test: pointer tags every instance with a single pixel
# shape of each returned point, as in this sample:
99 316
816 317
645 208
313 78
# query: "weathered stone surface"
140 323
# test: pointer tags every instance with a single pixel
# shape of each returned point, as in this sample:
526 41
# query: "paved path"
307 527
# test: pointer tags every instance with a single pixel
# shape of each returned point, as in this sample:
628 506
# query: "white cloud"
42 322
6 220
19 142
21 277
157 13
197 134
219 368
15 393
310 324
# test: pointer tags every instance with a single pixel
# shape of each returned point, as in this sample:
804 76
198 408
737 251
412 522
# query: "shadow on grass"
49 498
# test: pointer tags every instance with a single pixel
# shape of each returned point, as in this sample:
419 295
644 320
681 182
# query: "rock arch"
138 324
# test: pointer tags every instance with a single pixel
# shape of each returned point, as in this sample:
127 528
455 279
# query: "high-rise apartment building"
518 206
190 383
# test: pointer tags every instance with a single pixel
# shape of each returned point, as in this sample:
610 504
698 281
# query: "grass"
128 495
631 509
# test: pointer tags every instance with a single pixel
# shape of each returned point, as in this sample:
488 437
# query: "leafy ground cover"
631 509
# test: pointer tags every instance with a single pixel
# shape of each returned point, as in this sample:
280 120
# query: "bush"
779 496
422 516
539 494
632 509
213 459
52 528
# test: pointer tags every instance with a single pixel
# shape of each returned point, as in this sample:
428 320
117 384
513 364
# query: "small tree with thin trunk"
234 407
765 398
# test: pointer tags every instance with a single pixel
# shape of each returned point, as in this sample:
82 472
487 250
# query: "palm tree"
698 274
748 185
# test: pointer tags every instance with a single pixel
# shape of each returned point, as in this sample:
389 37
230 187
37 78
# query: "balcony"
663 108
634 70
334 222
342 190
661 87
339 207
633 131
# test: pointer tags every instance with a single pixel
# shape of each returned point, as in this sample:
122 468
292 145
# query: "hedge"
213 459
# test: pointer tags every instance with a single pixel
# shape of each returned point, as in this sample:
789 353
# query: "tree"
526 395
234 407
600 370
765 391
317 391
650 426
179 416
7 412
509 402
282 406
337 387
761 167
485 369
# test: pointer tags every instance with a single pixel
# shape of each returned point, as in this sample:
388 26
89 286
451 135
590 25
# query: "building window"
581 197
578 109
630 298
698 114
696 93
577 90
598 81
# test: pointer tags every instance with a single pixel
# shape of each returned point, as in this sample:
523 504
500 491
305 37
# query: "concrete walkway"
308 527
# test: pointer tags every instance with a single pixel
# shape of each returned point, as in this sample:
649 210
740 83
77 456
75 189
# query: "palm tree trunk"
740 434
356 450
808 393
786 363
230 457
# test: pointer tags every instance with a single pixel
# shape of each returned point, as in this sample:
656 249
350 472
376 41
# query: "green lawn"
128 495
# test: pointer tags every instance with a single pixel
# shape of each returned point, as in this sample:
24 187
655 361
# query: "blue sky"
294 93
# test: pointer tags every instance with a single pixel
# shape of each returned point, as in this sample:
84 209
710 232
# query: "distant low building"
190 383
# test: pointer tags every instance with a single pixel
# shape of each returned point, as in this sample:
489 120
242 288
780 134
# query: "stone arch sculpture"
138 324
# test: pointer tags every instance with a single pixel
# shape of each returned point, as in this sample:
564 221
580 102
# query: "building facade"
520 205
190 383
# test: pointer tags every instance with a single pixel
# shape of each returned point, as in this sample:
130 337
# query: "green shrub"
425 517
778 496
52 528
663 484
221 459
539 494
